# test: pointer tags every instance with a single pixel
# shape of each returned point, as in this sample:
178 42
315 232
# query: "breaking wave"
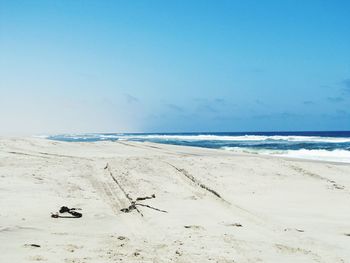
321 155
329 146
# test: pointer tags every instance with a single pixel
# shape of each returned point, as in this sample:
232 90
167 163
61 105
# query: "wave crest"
342 156
240 138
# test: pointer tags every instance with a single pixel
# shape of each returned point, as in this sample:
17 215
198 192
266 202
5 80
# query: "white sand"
289 210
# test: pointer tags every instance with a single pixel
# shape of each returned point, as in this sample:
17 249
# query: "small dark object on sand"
33 245
64 209
71 211
75 214
296 229
129 209
146 197
55 215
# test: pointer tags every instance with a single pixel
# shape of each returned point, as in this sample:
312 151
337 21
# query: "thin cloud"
206 108
335 99
211 105
131 99
220 101
341 112
175 107
283 115
338 114
259 102
346 85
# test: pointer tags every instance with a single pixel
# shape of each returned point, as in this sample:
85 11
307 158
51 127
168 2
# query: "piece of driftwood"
146 197
135 203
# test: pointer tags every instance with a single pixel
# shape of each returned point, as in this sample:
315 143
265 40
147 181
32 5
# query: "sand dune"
208 205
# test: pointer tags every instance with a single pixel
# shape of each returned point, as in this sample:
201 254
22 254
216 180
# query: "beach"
181 204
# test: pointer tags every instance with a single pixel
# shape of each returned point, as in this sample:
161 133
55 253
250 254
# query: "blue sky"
174 66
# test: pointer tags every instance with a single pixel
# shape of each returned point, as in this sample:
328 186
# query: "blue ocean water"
332 145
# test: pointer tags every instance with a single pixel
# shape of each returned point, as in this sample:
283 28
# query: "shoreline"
324 146
212 149
209 205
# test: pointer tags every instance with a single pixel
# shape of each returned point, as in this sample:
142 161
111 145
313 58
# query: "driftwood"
146 197
108 168
134 204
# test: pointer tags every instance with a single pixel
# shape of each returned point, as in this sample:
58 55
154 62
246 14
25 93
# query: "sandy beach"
207 205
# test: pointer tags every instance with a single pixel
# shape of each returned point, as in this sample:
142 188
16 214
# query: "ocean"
328 146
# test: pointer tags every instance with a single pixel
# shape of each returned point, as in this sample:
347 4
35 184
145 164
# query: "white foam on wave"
41 136
323 155
241 138
342 156
109 136
204 137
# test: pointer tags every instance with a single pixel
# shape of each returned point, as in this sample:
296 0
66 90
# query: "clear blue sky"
153 66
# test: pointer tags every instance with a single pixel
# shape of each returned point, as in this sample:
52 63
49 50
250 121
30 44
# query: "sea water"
329 146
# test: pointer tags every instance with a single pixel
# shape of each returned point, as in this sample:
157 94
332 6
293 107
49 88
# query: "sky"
174 66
